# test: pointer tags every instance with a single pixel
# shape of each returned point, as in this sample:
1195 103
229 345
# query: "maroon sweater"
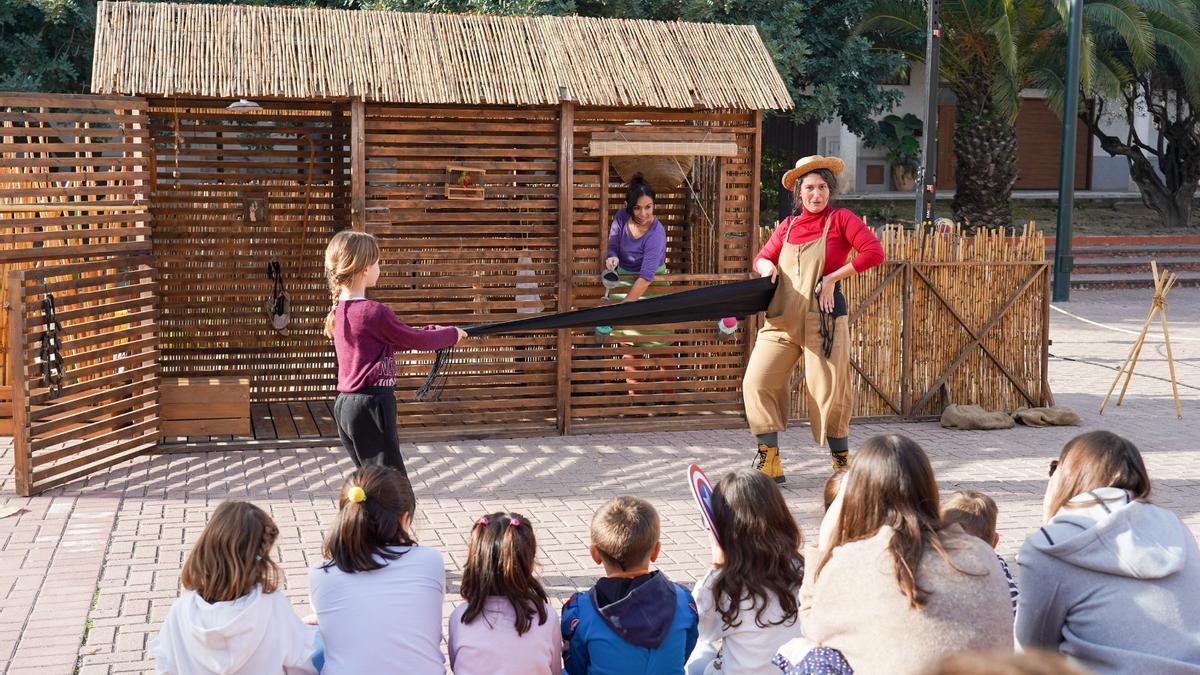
366 336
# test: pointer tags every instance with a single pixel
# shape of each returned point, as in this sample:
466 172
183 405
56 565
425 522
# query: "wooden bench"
204 406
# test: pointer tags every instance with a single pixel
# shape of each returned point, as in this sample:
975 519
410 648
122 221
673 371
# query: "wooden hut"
488 154
138 226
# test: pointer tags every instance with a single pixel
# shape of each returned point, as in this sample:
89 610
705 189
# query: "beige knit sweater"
857 607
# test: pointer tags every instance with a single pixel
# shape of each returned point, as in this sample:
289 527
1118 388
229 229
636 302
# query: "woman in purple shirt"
637 241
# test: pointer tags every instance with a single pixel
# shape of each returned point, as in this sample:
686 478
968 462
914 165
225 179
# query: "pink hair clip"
515 522
483 521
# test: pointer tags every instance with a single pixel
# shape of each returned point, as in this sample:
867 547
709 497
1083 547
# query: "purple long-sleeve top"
366 336
644 254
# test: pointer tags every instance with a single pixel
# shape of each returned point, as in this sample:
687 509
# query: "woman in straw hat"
807 316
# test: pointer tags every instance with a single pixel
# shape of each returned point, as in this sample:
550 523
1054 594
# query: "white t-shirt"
744 649
387 620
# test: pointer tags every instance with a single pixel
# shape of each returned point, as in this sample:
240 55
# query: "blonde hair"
233 554
347 255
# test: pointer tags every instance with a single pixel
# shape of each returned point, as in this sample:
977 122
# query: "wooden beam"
752 322
566 256
604 222
358 165
15 306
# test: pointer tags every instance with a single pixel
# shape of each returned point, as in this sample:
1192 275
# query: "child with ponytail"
506 626
366 335
378 595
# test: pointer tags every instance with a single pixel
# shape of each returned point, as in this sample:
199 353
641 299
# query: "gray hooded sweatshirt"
1114 586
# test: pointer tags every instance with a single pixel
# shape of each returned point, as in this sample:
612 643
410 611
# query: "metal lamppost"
1063 262
927 174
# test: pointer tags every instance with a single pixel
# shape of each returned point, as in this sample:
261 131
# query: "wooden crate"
205 406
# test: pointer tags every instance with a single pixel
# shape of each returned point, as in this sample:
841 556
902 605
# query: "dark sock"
770 438
838 445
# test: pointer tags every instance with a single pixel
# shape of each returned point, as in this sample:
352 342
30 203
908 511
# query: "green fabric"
615 296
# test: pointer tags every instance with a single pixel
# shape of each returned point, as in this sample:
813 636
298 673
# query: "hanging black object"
51 352
710 303
280 304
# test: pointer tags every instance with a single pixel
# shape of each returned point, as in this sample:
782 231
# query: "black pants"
366 423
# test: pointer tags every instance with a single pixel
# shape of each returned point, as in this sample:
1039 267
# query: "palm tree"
984 43
993 49
1138 55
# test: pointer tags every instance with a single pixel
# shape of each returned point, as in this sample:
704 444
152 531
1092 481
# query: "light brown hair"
233 554
624 531
501 560
891 483
370 529
974 511
346 255
832 485
761 543
1098 459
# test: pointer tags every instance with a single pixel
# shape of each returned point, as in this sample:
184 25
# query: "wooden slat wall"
107 410
708 243
213 261
456 261
73 181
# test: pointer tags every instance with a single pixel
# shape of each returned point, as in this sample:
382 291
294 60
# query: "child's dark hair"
624 531
761 543
501 560
372 501
638 188
974 511
233 554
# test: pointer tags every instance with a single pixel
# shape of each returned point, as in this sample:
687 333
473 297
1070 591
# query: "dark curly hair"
761 543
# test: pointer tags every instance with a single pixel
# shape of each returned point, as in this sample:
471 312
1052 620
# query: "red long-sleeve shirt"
366 336
846 232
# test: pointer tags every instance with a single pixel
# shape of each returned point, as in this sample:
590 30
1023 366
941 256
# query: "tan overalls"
792 327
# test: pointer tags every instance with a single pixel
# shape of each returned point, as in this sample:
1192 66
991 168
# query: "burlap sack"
965 417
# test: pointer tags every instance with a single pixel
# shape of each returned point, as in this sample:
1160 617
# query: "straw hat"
808 165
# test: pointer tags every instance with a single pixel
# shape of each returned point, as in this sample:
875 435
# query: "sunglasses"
1053 466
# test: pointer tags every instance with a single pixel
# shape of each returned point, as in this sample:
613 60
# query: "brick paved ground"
88 572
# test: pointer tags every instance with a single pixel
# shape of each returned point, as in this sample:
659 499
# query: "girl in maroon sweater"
366 335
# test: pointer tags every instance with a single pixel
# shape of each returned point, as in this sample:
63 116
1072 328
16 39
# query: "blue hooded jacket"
642 626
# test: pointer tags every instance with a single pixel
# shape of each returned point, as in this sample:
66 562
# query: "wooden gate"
74 226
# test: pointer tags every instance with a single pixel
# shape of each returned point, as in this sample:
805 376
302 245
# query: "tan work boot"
766 460
841 460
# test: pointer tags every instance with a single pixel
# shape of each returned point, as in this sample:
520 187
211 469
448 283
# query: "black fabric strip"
738 299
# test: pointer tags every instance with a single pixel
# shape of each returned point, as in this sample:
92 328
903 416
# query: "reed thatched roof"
244 51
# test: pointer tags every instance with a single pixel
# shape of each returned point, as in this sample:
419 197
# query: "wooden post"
604 220
906 320
755 239
358 165
15 306
566 255
1047 395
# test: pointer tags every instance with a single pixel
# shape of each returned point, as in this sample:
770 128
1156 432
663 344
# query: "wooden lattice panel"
448 261
107 408
233 191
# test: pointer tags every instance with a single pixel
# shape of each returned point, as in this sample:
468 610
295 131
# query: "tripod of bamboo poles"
1162 285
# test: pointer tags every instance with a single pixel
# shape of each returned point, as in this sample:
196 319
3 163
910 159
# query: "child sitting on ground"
233 619
378 595
506 626
832 485
976 513
633 621
749 602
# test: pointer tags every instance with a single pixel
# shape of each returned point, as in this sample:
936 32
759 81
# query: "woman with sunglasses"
1111 580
